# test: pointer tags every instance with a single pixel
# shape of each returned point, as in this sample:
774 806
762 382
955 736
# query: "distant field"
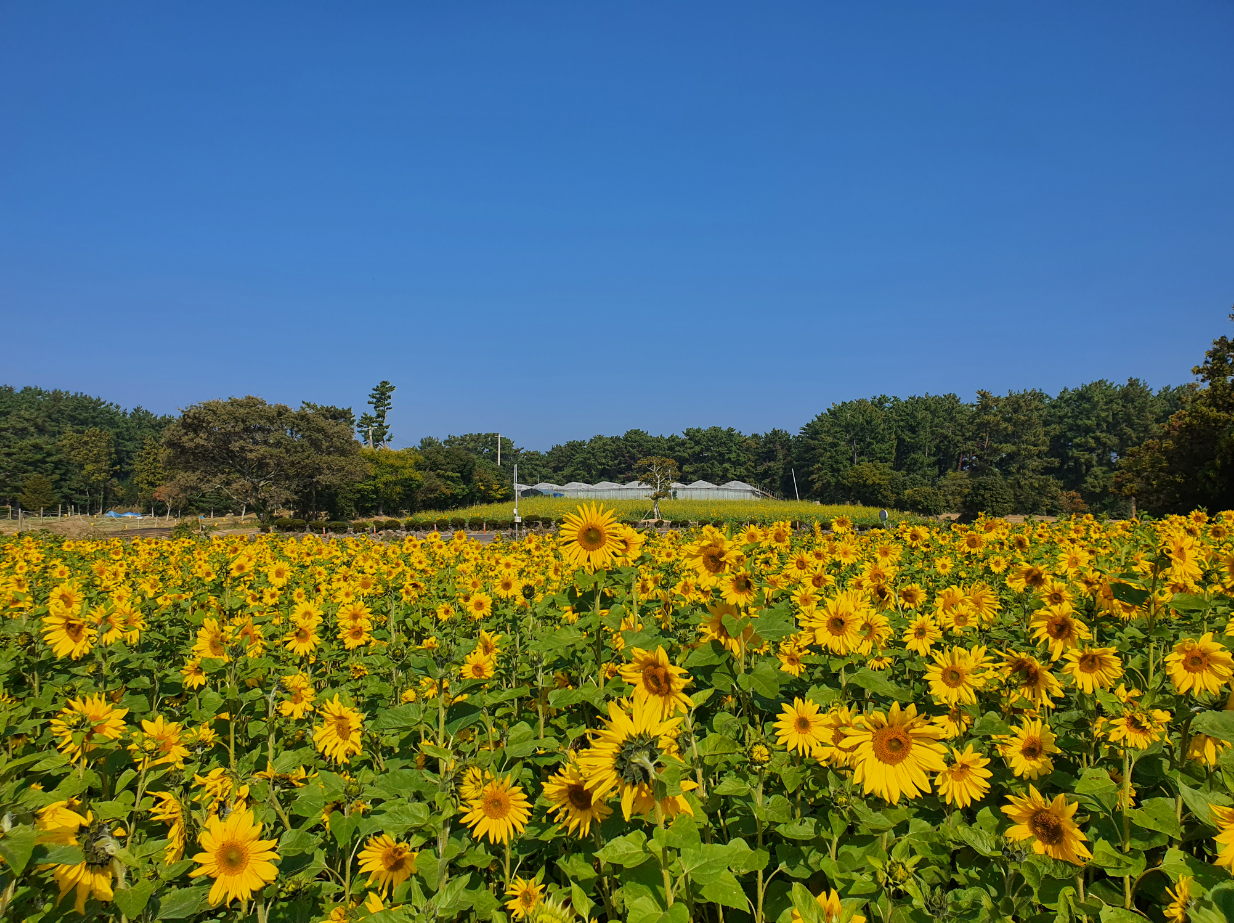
556 508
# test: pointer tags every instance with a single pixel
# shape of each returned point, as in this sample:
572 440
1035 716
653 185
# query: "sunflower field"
960 722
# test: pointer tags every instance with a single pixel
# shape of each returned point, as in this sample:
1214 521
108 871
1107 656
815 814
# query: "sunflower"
161 743
83 721
911 595
1048 824
872 633
1206 750
65 599
68 635
471 786
830 909
1223 819
921 634
301 694
955 676
1027 751
1139 728
1181 900
489 645
1029 679
355 634
790 655
480 606
211 641
710 557
628 752
590 537
477 666
387 862
893 752
169 811
501 811
338 735
964 781
1093 668
738 588
831 751
800 726
572 802
1058 627
1199 666
235 856
525 896
302 640
837 624
657 683
713 628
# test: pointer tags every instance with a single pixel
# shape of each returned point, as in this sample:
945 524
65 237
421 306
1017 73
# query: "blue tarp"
112 514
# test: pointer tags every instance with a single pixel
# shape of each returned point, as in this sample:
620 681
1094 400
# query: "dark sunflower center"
1046 827
1090 663
891 745
656 680
1195 663
591 538
635 753
342 727
1031 748
953 677
579 797
804 724
836 624
1059 629
496 805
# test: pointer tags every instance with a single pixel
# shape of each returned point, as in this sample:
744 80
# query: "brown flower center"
1047 827
892 745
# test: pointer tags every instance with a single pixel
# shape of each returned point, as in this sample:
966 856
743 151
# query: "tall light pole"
517 518
499 451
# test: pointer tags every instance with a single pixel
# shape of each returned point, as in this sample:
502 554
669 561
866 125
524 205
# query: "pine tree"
371 427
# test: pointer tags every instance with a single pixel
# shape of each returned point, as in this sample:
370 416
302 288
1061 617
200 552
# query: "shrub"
991 495
929 501
287 525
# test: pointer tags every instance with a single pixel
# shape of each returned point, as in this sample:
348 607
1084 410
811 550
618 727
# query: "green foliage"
372 428
37 493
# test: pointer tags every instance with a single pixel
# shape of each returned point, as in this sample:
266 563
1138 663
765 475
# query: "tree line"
1102 447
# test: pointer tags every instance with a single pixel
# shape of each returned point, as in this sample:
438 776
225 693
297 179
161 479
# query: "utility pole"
518 520
499 458
796 492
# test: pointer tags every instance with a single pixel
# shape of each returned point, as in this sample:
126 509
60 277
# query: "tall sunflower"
501 811
657 682
1029 679
338 735
1223 818
921 634
68 634
81 724
574 804
1093 668
836 625
235 856
1199 666
628 752
1058 627
591 537
800 727
893 752
956 675
1048 824
1027 751
525 895
964 781
387 862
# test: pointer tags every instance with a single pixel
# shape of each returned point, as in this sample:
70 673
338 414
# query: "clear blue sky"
563 219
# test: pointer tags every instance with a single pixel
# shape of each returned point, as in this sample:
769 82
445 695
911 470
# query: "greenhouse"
634 490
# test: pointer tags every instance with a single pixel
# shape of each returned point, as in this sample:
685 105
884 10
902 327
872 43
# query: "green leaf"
989 724
1219 724
16 847
765 679
725 890
60 855
132 901
1125 592
1186 602
343 827
1118 864
708 655
294 842
1200 803
182 902
1097 784
804 829
878 684
628 851
580 901
985 843
806 905
1157 814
